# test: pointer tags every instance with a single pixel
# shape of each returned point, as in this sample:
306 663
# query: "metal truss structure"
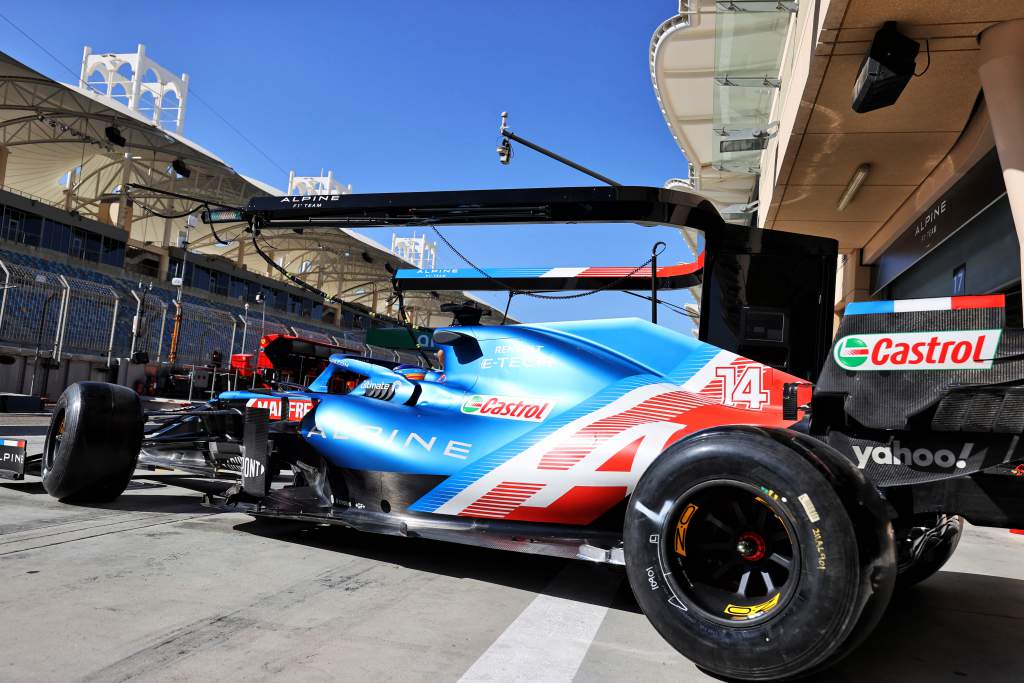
56 147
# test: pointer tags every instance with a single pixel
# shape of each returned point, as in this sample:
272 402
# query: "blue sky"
400 96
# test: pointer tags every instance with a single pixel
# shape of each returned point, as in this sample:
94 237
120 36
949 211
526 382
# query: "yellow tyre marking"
751 611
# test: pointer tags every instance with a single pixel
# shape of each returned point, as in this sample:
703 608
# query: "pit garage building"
923 195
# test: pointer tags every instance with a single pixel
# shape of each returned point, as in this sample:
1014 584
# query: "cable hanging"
328 297
203 204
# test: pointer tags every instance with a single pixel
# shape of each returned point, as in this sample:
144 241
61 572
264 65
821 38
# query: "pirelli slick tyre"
93 442
741 549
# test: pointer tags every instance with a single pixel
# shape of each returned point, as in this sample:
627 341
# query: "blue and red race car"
763 519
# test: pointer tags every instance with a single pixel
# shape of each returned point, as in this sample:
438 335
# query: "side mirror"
450 337
466 348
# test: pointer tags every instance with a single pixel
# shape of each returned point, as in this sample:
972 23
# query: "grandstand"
88 272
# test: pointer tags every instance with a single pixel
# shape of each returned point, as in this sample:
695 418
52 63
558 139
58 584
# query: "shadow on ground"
515 570
952 627
33 487
157 497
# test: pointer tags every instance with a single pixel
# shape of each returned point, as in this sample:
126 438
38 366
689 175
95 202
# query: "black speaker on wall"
886 70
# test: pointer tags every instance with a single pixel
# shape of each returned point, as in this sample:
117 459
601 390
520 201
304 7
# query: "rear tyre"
742 555
925 546
93 442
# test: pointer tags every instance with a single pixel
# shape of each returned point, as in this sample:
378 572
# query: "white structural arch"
142 81
304 185
415 250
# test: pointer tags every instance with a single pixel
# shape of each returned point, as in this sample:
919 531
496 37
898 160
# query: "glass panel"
31 230
77 249
219 282
201 278
57 236
113 252
173 268
237 288
93 246
748 58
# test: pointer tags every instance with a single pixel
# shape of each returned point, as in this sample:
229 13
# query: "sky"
406 96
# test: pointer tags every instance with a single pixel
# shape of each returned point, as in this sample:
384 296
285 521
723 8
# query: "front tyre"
743 556
93 442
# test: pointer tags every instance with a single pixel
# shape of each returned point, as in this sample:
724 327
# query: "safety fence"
148 325
53 316
203 334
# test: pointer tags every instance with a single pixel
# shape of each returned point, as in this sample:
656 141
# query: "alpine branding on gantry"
508 407
945 350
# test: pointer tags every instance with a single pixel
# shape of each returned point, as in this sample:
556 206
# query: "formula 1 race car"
763 520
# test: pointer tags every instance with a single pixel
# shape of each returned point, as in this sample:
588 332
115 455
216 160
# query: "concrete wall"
17 377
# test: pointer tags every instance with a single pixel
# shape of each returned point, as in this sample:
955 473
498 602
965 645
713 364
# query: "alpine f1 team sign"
945 350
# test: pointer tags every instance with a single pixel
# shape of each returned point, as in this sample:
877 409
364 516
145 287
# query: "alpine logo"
508 407
897 454
949 350
251 468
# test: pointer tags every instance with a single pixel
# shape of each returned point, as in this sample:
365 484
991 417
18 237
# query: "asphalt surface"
156 587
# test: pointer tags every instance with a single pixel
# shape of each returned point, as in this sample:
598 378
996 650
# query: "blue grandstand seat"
81 325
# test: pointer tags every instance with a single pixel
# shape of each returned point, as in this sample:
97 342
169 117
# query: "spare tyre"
93 442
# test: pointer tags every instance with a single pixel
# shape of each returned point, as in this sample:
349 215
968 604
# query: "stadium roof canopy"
715 67
54 142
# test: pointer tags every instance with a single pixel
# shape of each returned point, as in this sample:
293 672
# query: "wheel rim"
53 442
729 549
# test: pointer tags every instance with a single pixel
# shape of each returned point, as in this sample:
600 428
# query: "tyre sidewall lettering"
828 573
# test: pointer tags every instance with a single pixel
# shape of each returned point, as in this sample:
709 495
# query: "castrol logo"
508 408
947 350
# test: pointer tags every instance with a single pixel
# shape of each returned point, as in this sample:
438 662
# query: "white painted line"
550 638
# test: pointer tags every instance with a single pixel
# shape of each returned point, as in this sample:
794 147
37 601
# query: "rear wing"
678 276
766 294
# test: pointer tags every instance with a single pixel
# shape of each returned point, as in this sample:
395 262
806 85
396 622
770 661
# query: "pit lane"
156 586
